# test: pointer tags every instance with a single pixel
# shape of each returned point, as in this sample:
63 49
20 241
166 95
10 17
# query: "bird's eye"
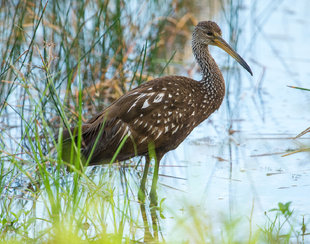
209 33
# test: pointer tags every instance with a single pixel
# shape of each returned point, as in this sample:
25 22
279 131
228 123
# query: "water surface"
232 173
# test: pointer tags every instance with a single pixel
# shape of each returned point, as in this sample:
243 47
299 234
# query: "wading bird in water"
161 112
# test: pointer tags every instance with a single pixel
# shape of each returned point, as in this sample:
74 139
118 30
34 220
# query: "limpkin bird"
161 112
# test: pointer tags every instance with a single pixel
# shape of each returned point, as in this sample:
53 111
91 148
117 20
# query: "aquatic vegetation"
64 61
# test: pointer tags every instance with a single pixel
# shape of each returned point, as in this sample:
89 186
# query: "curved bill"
220 42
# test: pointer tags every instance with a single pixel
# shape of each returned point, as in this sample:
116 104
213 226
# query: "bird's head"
209 33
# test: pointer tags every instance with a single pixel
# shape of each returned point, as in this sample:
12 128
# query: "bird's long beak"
220 42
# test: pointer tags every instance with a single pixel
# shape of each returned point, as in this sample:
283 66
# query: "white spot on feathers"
175 130
158 98
143 139
137 100
154 130
125 132
145 104
134 93
159 133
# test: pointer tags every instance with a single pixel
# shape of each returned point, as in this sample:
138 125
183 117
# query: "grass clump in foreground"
280 225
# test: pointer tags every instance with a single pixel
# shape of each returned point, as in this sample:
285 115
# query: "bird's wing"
148 113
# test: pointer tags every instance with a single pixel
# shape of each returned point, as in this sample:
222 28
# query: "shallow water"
232 174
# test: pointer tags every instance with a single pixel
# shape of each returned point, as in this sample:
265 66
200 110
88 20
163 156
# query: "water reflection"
150 227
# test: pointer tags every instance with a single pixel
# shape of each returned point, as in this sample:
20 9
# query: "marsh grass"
281 226
61 63
59 60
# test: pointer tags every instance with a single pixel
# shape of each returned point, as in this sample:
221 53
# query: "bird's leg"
153 193
141 193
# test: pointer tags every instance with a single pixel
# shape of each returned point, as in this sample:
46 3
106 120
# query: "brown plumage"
162 111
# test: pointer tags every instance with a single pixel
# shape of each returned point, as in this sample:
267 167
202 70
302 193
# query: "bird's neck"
208 66
212 78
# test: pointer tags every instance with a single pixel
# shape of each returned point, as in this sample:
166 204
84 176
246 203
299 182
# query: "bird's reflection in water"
148 208
150 225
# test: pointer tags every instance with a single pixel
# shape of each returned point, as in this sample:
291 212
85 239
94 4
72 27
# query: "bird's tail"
72 147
